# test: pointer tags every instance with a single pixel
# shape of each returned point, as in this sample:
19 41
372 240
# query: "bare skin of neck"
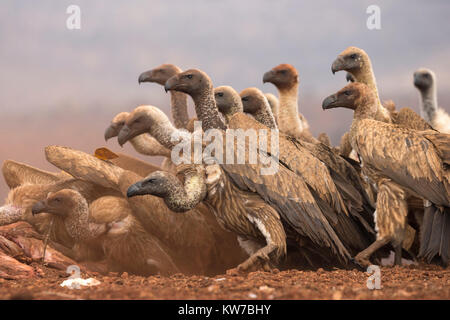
288 120
146 144
207 111
429 103
179 109
365 75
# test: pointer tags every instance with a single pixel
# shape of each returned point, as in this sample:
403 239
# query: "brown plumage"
256 104
290 121
400 162
192 239
325 139
178 108
107 225
274 105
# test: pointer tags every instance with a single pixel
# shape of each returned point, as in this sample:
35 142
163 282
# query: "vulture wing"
16 174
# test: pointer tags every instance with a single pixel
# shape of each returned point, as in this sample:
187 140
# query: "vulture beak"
124 135
268 76
135 190
145 76
171 83
338 65
330 102
38 207
111 131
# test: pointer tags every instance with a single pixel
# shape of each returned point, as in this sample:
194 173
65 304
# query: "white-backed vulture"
178 108
357 62
197 84
425 82
108 224
291 122
256 104
143 144
274 104
228 101
400 162
194 240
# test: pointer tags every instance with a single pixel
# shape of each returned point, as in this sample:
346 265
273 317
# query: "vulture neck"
179 109
365 75
184 197
146 144
288 120
265 116
207 111
77 221
429 103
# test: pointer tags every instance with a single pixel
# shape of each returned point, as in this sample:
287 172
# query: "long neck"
265 116
429 103
207 111
288 120
146 144
185 197
366 75
77 222
179 109
163 133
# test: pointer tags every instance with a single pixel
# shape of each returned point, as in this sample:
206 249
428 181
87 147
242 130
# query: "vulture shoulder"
409 119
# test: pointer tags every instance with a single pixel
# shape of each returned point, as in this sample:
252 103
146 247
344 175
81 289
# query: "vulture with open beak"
400 162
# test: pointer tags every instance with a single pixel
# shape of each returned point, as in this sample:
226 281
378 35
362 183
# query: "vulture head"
116 125
283 76
58 203
227 100
253 100
424 79
192 82
139 121
351 60
159 74
158 183
355 96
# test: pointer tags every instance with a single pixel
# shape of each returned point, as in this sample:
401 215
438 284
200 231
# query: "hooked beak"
125 134
268 76
171 83
338 65
111 132
329 102
145 76
135 190
38 207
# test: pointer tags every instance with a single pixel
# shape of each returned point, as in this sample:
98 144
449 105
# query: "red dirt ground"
409 282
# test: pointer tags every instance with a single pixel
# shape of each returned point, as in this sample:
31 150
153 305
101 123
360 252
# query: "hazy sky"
56 82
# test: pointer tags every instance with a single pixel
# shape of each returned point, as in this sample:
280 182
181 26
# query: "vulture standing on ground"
108 226
290 121
400 162
425 82
194 240
228 101
199 86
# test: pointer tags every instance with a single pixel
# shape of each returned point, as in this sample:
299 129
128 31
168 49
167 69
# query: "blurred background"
61 86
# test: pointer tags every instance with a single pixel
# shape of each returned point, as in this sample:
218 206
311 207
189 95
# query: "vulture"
257 105
273 191
143 144
425 82
400 162
324 138
178 108
228 101
357 62
291 122
107 225
194 240
274 104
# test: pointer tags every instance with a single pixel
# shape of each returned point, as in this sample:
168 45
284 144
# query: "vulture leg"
259 260
390 221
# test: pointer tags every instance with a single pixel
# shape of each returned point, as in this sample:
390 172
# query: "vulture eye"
220 94
347 92
283 71
189 76
57 200
245 98
151 180
353 56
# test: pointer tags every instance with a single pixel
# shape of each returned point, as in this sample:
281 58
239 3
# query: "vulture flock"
385 187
